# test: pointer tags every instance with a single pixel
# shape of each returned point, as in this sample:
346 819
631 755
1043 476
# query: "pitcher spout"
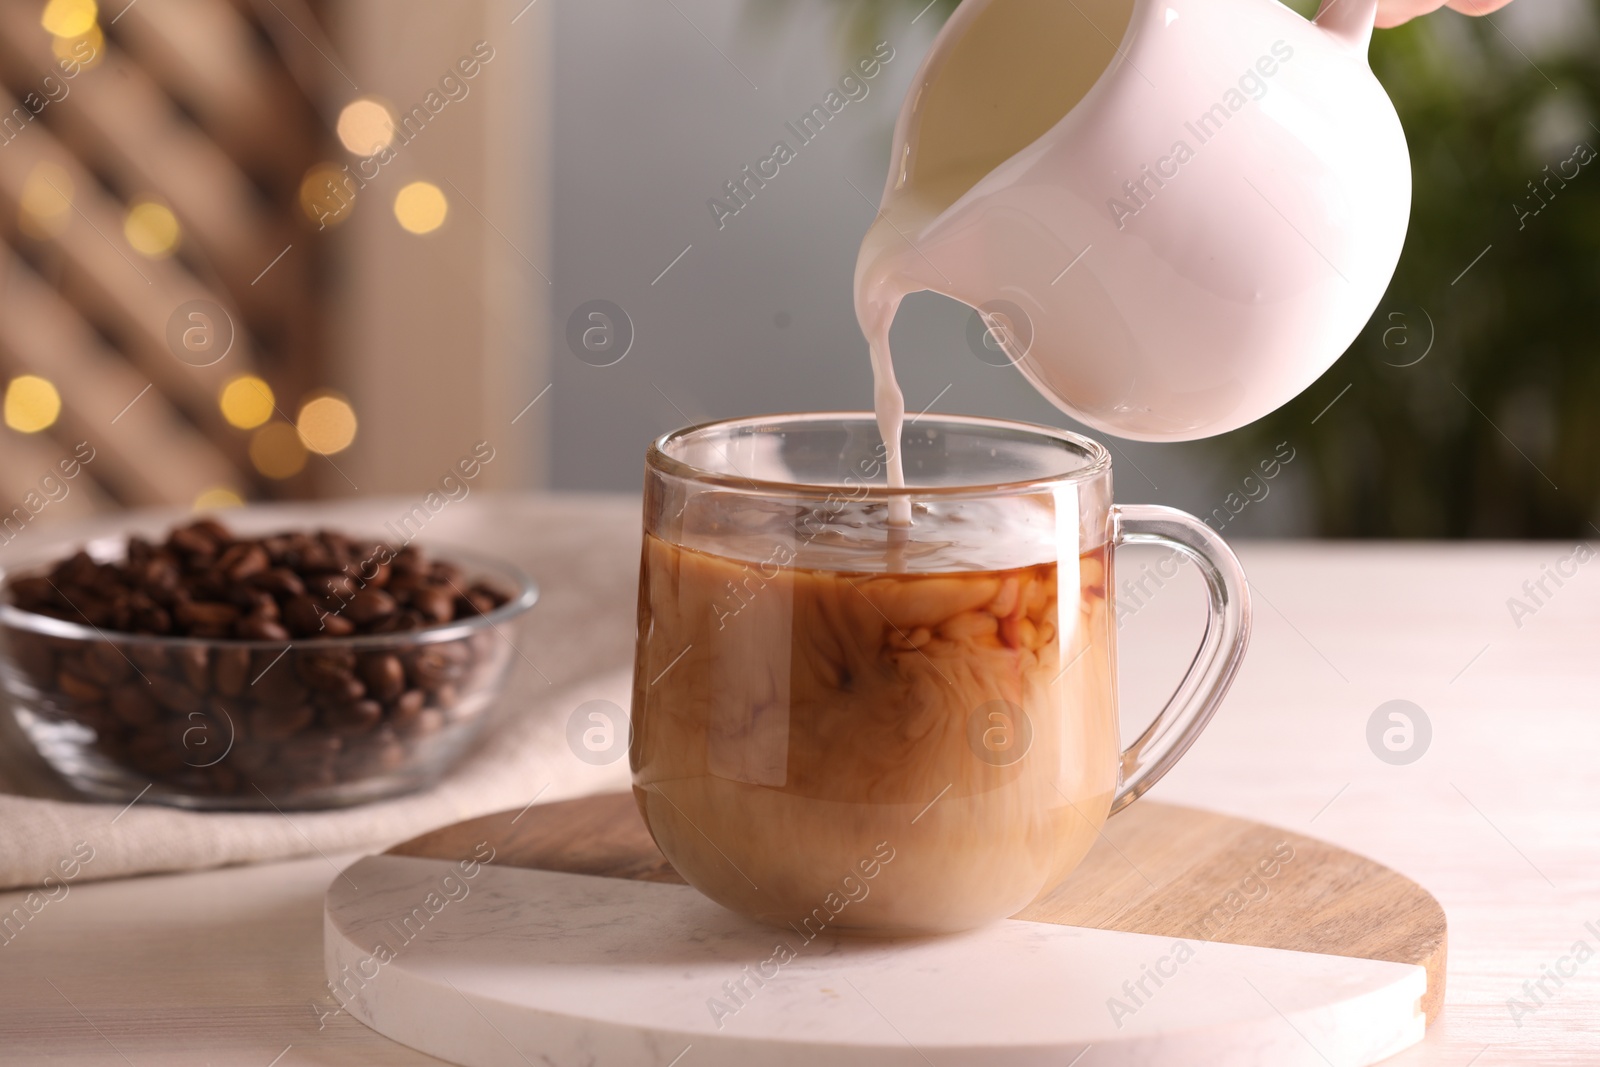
1350 21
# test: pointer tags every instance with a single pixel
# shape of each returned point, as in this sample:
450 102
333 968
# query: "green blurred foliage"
1496 431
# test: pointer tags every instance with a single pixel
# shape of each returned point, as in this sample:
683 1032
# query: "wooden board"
1158 869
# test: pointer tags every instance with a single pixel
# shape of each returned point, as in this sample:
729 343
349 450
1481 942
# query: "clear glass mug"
843 724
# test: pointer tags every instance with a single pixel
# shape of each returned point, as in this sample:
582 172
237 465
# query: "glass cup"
843 723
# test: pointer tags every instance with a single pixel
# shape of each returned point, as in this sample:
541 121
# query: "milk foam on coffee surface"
1019 68
861 536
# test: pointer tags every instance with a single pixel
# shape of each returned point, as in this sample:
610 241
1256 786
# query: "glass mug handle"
1221 649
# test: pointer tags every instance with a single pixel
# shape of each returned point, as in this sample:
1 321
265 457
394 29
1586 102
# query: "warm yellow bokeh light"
212 499
421 207
32 404
247 402
69 18
73 50
276 451
365 127
327 195
327 425
45 207
152 229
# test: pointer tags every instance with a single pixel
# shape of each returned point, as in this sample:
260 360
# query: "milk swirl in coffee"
952 700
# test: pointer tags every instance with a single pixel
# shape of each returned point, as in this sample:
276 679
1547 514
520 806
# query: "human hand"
1394 12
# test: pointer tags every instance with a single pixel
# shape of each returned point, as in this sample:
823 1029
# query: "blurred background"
318 248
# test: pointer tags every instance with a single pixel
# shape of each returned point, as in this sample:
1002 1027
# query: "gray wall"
651 118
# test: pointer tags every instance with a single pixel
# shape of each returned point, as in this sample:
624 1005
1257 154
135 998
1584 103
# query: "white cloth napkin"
575 646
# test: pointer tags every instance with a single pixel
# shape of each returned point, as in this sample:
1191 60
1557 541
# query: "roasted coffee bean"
230 670
337 625
280 582
278 723
277 685
316 559
474 603
310 746
133 703
212 633
407 706
302 616
32 593
427 723
409 562
435 603
432 665
105 664
196 665
336 587
152 620
155 754
370 605
355 717
449 702
193 540
205 614
379 753
174 695
152 659
260 628
345 690
80 689
384 675
244 560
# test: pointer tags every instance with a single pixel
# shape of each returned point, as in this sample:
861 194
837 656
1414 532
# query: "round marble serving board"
559 935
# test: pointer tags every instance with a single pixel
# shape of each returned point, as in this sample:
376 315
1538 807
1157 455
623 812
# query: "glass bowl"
234 724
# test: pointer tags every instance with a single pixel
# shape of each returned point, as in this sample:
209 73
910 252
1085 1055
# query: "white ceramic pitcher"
1175 214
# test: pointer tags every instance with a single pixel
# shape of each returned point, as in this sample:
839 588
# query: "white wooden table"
1500 819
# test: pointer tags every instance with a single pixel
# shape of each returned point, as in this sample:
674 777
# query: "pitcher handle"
1351 21
1221 649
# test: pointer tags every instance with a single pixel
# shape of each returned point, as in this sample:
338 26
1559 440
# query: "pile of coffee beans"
203 581
296 715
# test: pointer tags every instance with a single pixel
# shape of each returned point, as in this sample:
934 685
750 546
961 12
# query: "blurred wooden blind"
128 119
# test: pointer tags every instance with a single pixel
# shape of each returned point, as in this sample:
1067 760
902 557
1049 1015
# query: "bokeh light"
152 229
217 497
327 425
69 18
45 207
276 451
421 207
32 404
327 194
72 50
247 402
365 127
